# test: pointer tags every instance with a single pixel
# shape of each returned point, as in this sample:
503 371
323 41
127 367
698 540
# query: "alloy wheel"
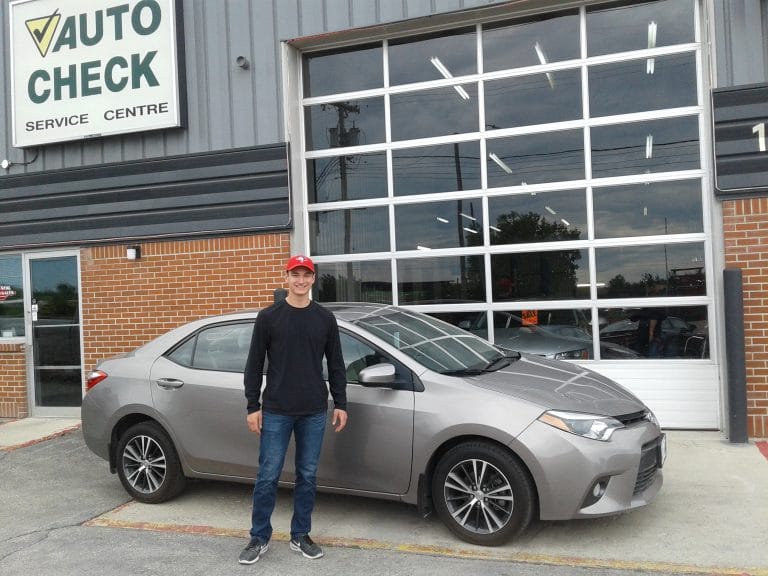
478 496
144 464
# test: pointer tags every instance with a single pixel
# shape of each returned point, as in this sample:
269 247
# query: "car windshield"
433 343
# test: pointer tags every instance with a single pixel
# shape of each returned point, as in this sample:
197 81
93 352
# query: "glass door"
52 305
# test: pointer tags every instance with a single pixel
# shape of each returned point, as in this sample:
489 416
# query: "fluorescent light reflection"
447 74
443 220
501 164
543 59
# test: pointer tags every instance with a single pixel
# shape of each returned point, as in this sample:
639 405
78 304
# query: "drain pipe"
735 357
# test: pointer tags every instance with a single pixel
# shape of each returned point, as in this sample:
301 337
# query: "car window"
222 347
359 354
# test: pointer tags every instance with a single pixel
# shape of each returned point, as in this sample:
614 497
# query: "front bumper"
625 471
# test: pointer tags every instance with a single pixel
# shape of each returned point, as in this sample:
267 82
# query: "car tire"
482 493
148 465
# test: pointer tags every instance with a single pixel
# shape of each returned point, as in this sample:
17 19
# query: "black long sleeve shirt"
294 341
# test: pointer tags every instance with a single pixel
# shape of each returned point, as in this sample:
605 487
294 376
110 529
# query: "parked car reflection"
675 337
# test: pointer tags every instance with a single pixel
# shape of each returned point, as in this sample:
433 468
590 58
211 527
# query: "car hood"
556 385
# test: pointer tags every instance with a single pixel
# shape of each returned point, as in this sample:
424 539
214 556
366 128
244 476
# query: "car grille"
649 465
633 418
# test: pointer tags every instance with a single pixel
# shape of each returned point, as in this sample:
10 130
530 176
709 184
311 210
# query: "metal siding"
311 17
741 38
264 64
416 8
338 14
363 13
244 189
243 103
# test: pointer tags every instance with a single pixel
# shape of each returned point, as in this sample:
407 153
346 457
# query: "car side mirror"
378 375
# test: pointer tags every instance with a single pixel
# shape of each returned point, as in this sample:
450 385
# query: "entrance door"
52 305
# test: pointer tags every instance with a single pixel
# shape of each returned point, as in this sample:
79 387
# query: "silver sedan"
439 418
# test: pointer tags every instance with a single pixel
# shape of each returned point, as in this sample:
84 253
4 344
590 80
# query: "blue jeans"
276 431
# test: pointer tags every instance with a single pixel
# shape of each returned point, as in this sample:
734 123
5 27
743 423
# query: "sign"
93 68
741 155
6 292
530 317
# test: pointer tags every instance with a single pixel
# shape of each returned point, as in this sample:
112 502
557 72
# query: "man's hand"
339 419
254 422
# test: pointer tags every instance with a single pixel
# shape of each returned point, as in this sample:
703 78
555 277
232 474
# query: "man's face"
300 281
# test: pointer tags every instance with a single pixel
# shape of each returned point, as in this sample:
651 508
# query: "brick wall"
128 302
745 224
13 381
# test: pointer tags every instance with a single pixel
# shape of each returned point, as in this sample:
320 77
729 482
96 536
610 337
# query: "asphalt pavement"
711 516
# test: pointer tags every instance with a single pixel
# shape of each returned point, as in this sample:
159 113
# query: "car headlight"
580 354
651 417
587 425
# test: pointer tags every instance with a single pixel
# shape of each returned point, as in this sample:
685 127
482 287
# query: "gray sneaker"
252 552
307 548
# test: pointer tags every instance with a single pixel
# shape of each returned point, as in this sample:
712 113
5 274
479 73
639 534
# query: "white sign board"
93 68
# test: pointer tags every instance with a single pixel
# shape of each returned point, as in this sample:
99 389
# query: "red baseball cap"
300 261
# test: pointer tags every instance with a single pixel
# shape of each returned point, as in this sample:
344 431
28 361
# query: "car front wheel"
148 465
482 493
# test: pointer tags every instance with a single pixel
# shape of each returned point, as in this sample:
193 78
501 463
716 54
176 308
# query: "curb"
63 432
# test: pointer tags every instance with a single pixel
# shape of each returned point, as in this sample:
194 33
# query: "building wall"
126 303
745 224
13 381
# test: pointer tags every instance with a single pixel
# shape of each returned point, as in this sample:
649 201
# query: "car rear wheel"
482 493
148 465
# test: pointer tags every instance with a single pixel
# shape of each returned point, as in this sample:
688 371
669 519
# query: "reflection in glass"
648 271
538 217
354 177
441 280
619 28
11 297
421 59
58 387
463 319
54 283
354 282
646 147
349 123
535 99
657 332
451 224
57 345
530 42
647 209
436 112
433 169
557 275
535 158
642 85
349 231
331 72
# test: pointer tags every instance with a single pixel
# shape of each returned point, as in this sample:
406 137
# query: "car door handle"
169 383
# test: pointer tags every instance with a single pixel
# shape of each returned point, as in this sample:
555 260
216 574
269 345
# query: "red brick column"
14 402
126 303
745 225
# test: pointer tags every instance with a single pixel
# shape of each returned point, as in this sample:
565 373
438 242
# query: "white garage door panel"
681 394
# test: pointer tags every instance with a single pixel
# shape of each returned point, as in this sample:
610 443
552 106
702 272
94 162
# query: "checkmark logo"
43 30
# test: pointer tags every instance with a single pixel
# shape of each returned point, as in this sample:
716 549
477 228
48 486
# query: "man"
294 334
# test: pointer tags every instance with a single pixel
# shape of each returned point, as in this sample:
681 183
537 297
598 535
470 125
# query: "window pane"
349 123
539 217
619 27
223 348
354 177
330 73
433 169
464 320
349 231
535 99
430 58
354 282
57 345
441 280
530 42
646 147
647 209
536 158
657 332
59 386
558 275
11 297
647 271
562 334
456 223
642 85
435 112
